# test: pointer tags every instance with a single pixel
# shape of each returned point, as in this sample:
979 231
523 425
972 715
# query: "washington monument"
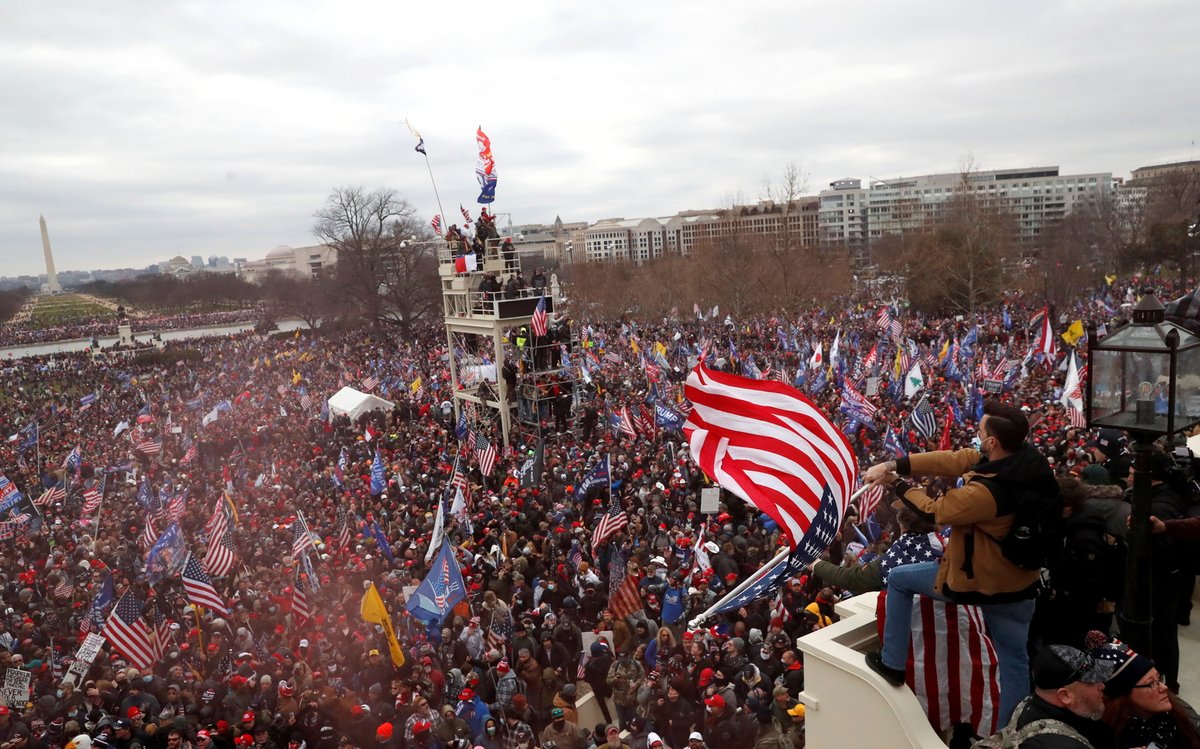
51 275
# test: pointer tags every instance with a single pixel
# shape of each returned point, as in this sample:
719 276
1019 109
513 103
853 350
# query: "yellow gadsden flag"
1073 333
375 612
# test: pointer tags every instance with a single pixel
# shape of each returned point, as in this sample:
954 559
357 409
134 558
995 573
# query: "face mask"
491 730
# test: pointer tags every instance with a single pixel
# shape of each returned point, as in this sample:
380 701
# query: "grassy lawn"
65 309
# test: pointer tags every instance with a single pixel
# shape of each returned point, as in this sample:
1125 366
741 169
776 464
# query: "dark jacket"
1034 708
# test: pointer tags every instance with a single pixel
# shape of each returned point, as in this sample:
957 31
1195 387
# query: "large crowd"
28 333
241 431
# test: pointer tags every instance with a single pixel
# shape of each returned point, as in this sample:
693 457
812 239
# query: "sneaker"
893 676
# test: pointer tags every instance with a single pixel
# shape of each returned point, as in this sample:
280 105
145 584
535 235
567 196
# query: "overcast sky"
146 129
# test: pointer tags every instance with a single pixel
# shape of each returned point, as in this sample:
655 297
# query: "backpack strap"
1050 727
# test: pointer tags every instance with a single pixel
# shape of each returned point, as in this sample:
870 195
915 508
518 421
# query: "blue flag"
441 590
167 555
372 530
598 476
104 596
29 436
487 193
378 481
461 429
667 417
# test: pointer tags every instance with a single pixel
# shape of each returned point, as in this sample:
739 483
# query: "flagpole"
758 574
435 191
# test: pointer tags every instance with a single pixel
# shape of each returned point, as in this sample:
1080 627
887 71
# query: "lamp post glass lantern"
1144 378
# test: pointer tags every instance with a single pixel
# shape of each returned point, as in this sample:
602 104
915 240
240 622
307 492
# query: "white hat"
695 736
304 643
711 547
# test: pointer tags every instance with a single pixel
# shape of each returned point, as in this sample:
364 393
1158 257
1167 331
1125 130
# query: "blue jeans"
1007 623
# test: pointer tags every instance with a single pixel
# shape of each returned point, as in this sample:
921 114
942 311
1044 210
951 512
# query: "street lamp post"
1134 385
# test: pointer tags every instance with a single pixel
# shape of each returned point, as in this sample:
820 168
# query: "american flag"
148 535
93 497
870 501
623 597
436 223
162 630
302 539
501 630
771 446
56 493
1076 417
128 633
175 507
219 560
218 522
150 447
1001 369
779 611
306 401
465 213
539 323
190 455
199 587
883 320
644 421
300 611
458 481
953 668
613 520
625 422
345 535
65 588
370 382
485 454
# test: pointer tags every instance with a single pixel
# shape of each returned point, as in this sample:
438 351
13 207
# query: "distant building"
197 262
176 266
1145 176
299 261
854 216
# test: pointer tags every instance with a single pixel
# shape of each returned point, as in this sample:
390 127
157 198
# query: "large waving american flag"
220 558
538 323
128 633
771 446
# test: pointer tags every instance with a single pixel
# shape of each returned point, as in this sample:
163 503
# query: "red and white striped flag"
148 535
1045 342
436 224
539 322
770 445
953 668
199 587
302 539
370 382
300 610
128 633
870 501
625 422
465 213
220 559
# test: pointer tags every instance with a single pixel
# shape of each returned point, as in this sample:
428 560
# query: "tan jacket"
970 511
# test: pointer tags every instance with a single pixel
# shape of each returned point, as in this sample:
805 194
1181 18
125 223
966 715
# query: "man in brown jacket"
973 569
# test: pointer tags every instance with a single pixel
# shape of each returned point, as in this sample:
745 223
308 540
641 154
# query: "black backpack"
1036 538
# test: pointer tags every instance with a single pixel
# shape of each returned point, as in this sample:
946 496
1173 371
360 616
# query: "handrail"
840 690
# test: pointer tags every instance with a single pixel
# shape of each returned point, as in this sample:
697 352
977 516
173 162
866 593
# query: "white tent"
355 403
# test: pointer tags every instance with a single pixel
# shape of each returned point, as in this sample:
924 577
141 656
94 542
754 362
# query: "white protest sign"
16 687
710 499
83 659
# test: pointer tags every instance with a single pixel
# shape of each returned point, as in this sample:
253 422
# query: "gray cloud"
144 130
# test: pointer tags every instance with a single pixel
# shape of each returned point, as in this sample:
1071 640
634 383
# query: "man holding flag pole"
976 569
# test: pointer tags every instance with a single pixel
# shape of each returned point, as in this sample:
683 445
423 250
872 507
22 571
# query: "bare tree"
361 226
